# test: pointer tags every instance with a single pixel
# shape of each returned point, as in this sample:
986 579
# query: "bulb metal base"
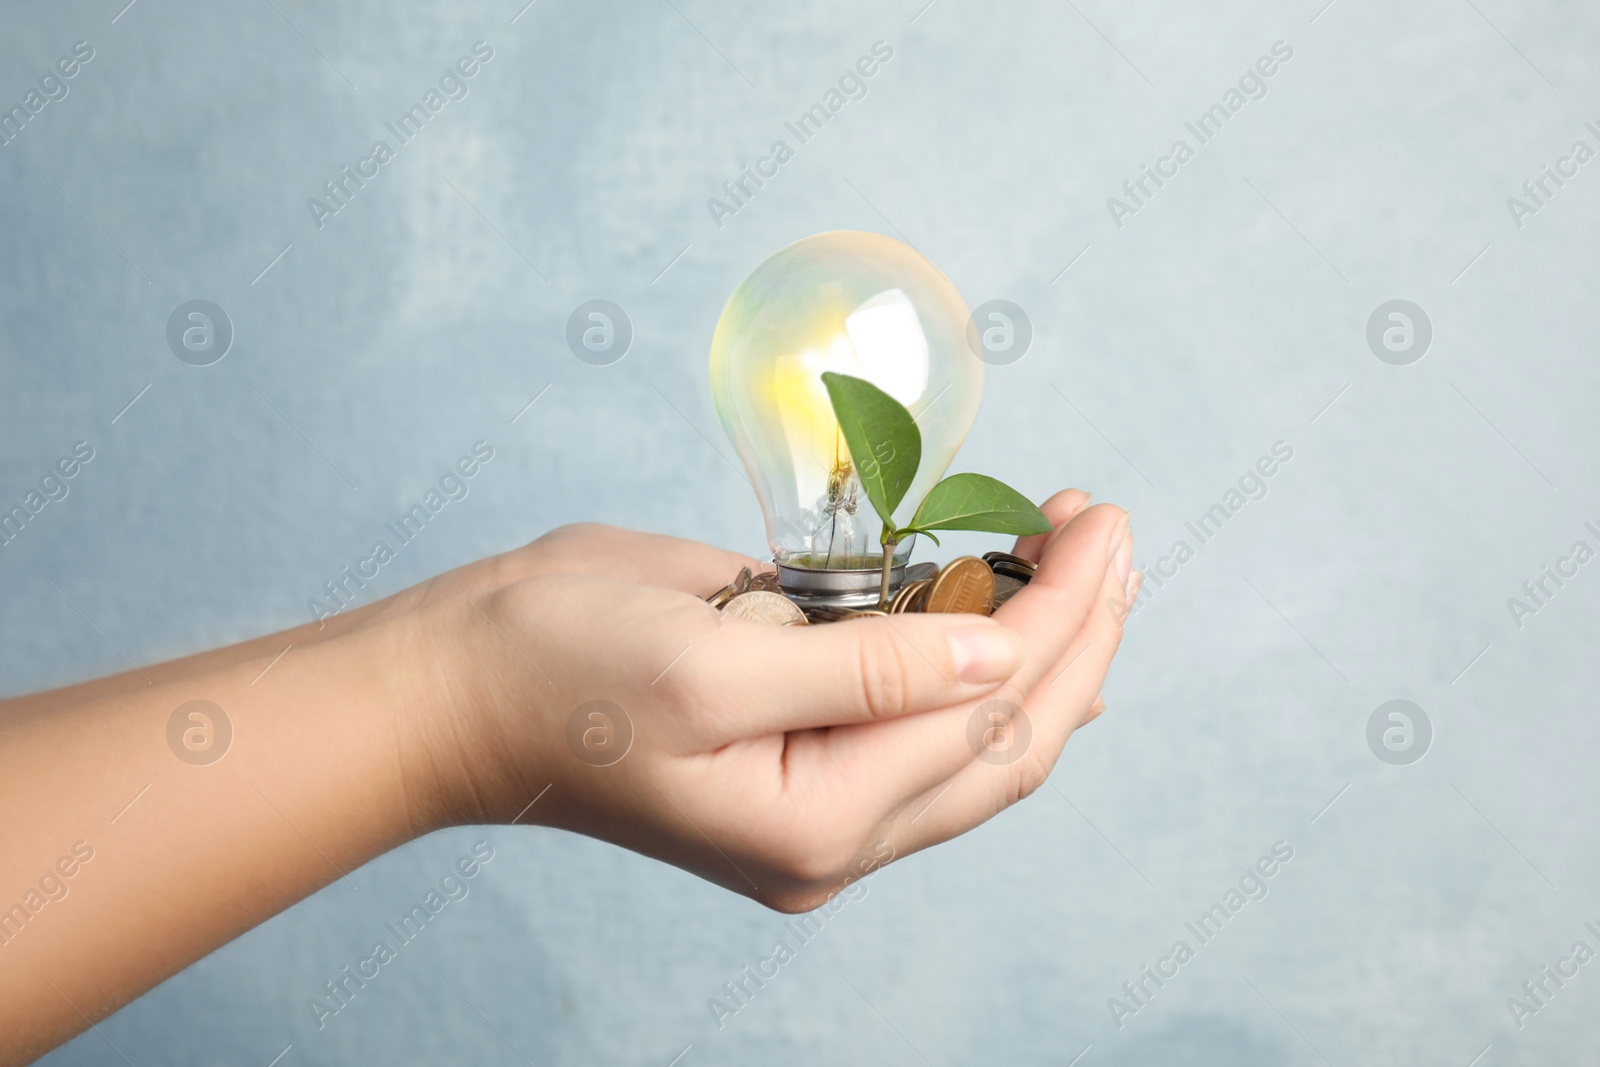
811 588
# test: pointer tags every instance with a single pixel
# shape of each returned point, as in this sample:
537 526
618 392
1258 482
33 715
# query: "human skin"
769 760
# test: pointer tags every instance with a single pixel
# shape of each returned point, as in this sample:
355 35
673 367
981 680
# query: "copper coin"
993 558
1005 587
762 606
898 604
964 585
906 598
918 600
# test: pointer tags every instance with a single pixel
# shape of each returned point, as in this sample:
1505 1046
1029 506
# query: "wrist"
461 761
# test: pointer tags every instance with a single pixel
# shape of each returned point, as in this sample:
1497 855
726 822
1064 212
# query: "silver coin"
762 606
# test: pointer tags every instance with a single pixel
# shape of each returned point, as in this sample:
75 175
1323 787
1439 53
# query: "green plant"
886 447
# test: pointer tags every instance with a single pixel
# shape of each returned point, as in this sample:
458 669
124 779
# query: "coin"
766 581
762 606
1011 570
1005 587
908 597
1006 565
828 614
918 599
898 604
992 558
964 585
740 584
916 572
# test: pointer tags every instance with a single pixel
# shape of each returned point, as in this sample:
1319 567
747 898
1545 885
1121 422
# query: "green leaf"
885 444
978 502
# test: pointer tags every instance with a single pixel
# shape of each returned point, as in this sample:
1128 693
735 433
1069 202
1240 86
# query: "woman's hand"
776 761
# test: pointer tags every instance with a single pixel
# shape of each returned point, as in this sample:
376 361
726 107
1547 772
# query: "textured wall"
1228 311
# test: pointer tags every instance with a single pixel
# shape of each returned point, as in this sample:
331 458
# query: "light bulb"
860 304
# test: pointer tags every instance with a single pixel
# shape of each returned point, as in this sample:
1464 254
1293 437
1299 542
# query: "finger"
1050 610
882 765
1062 702
1054 709
1130 595
772 679
1060 510
879 767
900 759
907 755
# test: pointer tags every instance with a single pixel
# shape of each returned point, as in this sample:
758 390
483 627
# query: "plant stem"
889 541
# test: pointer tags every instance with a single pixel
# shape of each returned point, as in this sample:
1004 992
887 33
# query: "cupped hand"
587 671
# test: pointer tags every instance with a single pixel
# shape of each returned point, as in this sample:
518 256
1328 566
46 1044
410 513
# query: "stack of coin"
756 597
1010 574
740 584
826 614
911 596
968 584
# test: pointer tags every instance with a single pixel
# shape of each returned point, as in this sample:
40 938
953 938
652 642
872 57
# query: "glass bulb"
860 304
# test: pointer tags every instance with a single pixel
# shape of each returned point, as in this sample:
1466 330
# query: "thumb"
862 670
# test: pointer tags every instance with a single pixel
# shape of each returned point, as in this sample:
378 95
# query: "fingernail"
1099 704
1124 554
985 654
1118 535
1131 588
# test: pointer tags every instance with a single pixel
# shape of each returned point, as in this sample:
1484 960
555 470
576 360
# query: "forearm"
186 856
262 650
581 550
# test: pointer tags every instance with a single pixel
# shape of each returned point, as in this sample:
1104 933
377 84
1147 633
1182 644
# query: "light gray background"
1223 317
